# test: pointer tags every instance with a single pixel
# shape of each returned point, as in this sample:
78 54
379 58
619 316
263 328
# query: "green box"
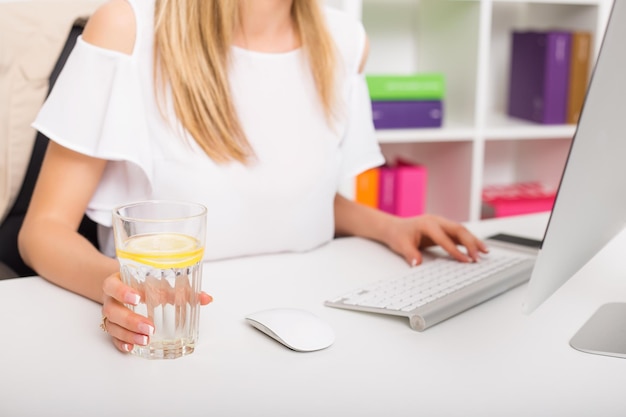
418 86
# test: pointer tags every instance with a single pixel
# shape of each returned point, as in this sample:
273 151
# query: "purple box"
539 76
407 114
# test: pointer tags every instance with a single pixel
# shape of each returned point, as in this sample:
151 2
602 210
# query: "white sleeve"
95 108
360 147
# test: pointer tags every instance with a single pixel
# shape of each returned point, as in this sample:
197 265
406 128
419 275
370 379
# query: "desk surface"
490 361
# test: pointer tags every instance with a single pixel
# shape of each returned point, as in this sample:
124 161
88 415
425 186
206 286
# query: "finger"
115 288
411 255
470 242
455 234
443 239
463 236
480 248
205 298
122 346
126 325
122 336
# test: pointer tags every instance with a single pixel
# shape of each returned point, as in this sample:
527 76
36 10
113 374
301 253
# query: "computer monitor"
590 207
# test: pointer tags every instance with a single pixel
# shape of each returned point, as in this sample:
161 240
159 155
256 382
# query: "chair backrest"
9 229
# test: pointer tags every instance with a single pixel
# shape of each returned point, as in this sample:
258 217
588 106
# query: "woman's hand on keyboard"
406 236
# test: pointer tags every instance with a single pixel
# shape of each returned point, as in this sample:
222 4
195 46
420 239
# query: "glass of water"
160 246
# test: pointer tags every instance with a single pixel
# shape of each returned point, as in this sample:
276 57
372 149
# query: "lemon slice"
162 250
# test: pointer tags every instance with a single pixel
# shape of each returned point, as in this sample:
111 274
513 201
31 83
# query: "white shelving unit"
469 41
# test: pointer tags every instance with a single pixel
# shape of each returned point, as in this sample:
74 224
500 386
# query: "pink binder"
403 189
411 181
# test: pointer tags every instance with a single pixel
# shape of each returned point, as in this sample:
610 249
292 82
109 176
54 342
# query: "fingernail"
414 262
131 298
126 347
141 339
146 329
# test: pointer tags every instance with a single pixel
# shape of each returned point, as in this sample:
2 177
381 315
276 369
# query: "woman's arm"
405 236
48 241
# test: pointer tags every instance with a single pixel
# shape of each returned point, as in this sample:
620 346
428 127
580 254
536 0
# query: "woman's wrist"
389 232
354 219
383 228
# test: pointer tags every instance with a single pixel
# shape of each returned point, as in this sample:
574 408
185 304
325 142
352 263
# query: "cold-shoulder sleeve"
96 108
360 147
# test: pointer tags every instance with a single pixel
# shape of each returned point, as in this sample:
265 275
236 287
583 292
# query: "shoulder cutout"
112 26
366 51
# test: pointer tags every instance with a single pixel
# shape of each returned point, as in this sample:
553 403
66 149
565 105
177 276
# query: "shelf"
566 2
503 128
448 163
470 42
499 128
445 134
511 161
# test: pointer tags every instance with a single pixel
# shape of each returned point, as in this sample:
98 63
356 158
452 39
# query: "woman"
255 108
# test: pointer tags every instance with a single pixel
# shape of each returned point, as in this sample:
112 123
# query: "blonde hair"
192 44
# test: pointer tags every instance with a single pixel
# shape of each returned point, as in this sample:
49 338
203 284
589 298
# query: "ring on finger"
103 324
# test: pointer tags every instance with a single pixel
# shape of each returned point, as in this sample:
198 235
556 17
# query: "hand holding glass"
160 245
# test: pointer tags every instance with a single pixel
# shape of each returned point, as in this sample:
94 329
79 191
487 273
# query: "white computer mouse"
295 328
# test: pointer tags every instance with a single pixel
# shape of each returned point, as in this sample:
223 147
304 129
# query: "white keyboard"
439 288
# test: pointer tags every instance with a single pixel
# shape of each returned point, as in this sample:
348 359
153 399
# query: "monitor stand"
604 333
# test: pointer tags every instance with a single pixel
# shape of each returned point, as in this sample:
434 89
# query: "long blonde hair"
192 44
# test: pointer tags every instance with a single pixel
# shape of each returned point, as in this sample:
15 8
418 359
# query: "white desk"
489 361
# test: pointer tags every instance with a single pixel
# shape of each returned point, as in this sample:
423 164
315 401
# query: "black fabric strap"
9 229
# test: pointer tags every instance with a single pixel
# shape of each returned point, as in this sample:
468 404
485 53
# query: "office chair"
11 263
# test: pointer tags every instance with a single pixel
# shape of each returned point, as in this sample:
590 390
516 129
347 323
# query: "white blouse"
103 105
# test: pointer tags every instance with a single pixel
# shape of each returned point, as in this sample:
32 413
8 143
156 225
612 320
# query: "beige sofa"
32 35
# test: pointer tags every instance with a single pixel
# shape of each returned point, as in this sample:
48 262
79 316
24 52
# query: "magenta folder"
386 191
410 189
403 189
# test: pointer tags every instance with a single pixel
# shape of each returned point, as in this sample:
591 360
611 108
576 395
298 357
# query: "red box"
516 199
